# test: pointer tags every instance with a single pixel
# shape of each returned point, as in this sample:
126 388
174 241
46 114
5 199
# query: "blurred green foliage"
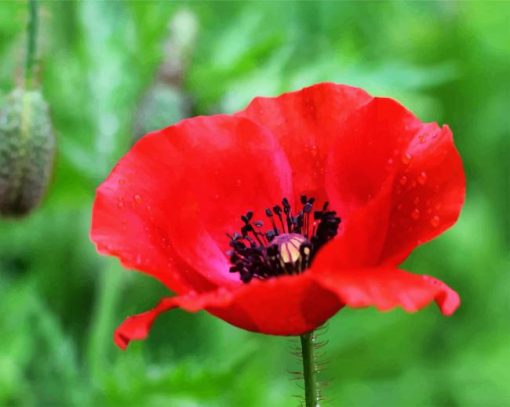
449 61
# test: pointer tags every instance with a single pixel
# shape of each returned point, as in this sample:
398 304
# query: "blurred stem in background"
104 317
31 53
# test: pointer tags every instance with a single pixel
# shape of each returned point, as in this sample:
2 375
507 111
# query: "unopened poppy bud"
27 149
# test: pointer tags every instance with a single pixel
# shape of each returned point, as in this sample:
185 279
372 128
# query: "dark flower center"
288 246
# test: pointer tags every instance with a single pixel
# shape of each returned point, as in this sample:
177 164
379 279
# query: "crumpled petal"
137 327
293 305
289 305
386 288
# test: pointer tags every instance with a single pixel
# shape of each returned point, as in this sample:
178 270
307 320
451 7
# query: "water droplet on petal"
406 158
435 221
137 198
403 180
421 138
422 178
416 200
120 204
415 214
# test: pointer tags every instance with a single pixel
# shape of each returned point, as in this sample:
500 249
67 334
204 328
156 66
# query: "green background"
60 301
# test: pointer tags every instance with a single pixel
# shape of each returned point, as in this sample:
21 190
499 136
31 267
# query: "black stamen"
262 255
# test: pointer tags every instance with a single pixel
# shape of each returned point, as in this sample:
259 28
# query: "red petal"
362 233
167 205
290 305
306 122
123 230
280 306
137 327
430 200
298 304
383 141
389 288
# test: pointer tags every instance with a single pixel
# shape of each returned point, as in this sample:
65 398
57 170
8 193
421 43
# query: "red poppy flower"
346 184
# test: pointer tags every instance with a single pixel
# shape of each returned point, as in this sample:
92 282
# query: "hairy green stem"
309 370
32 26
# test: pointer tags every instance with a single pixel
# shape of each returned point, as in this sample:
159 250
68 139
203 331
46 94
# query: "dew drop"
421 138
415 214
416 200
120 204
390 161
122 181
403 180
422 178
406 158
137 198
435 221
399 207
